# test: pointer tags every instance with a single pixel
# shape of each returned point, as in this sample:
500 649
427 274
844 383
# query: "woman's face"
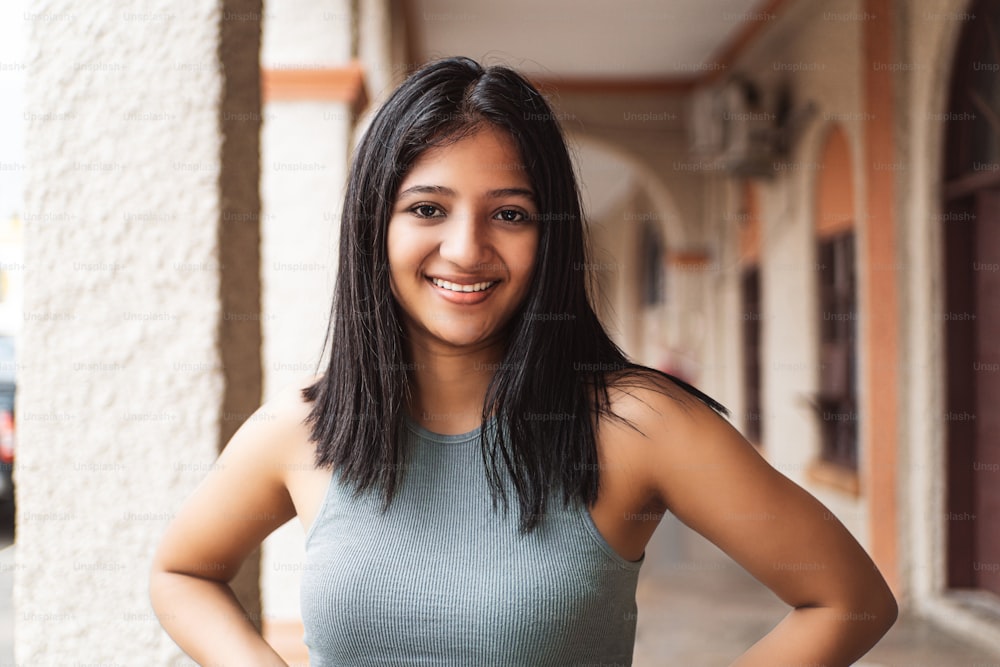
462 240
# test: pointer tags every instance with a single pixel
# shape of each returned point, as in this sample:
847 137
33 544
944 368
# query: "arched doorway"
971 234
634 229
837 400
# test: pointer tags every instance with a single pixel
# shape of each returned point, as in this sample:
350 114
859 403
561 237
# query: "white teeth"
455 287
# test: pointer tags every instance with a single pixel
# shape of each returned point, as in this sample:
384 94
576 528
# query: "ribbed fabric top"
444 579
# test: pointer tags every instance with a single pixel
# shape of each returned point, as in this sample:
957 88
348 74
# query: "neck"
449 385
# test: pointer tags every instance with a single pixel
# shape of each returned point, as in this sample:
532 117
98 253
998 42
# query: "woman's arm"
240 502
714 481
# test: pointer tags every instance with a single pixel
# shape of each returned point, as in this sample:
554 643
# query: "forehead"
486 155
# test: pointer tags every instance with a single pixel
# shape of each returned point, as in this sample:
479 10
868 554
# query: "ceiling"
583 39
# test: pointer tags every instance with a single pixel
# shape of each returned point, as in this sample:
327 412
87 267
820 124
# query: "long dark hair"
552 384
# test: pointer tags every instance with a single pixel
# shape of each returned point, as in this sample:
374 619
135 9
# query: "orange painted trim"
881 336
689 259
835 189
749 226
833 226
335 84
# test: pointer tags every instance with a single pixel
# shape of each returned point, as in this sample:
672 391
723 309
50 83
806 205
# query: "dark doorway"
971 321
750 293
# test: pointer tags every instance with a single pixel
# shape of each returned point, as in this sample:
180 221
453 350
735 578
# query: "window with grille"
653 279
837 401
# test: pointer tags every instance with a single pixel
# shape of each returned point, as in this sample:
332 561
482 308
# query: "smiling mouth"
456 287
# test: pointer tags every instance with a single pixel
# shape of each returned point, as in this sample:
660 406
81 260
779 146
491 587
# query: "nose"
466 242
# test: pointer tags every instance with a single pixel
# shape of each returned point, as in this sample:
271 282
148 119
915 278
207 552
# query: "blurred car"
8 385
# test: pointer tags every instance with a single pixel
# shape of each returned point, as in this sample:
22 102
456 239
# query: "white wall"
304 152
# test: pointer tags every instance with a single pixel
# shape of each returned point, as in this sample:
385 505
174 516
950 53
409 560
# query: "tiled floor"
697 608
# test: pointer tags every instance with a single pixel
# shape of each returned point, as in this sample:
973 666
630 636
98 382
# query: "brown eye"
512 215
426 211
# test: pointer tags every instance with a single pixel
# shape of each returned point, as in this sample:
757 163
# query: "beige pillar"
140 341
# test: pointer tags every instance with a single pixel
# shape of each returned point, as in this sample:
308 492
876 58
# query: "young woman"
479 468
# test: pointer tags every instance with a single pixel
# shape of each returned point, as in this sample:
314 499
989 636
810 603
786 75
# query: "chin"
465 336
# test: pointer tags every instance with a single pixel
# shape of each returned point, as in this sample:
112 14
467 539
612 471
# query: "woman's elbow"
887 611
878 608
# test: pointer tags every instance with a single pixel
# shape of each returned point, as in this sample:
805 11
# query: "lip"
462 298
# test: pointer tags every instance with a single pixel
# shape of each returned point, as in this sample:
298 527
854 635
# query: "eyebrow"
442 190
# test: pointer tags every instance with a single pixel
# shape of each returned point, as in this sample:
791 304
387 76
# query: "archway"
636 231
837 398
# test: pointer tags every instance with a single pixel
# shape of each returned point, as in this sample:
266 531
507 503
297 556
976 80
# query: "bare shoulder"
245 496
649 396
672 435
277 432
289 403
652 405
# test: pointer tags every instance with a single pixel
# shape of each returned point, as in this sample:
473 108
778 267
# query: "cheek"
407 248
399 246
395 246
393 243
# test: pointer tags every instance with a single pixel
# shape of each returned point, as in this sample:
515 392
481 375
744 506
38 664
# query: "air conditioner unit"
733 130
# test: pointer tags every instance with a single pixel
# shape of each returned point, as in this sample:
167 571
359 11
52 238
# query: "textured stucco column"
304 152
140 352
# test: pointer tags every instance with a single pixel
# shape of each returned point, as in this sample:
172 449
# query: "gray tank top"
444 579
